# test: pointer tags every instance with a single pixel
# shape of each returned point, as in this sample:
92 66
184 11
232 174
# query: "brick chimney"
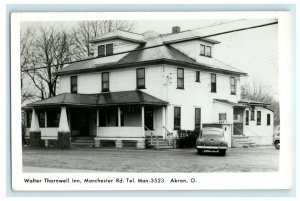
175 30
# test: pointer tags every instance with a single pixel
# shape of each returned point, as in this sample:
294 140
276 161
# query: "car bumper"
211 147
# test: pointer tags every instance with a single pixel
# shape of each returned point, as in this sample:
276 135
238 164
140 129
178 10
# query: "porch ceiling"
102 99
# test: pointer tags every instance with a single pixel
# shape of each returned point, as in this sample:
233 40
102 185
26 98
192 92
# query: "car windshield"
211 134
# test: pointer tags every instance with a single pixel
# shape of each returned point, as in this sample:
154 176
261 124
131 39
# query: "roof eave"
117 37
149 62
191 38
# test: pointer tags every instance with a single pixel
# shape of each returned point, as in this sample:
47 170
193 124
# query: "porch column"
119 116
64 135
143 120
35 131
164 122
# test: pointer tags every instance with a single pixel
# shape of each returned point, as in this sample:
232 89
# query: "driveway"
172 160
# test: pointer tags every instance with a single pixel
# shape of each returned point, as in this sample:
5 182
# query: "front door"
80 122
149 118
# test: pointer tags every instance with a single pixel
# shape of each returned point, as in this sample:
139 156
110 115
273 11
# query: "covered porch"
117 119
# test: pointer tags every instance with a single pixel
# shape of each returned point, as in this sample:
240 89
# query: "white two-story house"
137 85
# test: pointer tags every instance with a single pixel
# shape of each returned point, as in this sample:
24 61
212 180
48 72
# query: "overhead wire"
155 46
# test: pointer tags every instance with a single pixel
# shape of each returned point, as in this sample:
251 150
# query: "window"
105 50
213 83
42 119
202 50
109 49
247 117
180 78
208 51
197 119
197 76
258 122
268 119
101 50
236 117
28 118
177 118
222 116
140 78
74 84
252 115
232 86
53 117
105 82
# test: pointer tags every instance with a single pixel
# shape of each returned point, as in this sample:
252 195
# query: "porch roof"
102 99
225 102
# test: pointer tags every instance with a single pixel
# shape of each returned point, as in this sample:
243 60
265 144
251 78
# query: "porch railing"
255 135
151 137
170 137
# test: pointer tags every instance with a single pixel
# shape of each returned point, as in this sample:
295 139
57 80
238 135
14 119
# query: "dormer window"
208 51
202 50
105 50
205 50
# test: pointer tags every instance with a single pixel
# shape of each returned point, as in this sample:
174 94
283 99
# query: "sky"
252 51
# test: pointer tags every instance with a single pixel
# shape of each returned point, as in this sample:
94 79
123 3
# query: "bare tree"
88 30
49 48
25 51
258 92
45 48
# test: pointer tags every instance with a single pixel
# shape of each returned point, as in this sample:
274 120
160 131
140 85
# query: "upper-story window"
213 83
105 50
202 50
208 51
205 50
105 81
74 84
109 49
232 86
180 78
197 76
140 78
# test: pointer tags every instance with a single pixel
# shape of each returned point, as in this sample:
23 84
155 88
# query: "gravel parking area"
173 160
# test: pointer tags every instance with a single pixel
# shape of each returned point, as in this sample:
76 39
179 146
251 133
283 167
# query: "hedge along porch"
117 117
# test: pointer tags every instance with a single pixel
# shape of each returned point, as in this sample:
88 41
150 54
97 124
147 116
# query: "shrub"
187 138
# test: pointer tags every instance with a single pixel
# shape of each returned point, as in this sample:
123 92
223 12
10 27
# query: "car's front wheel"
222 152
200 151
277 144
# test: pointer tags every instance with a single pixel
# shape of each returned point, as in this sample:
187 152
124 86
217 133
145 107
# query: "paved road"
176 160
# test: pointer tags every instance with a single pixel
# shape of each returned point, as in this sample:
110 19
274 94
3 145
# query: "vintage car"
212 139
276 138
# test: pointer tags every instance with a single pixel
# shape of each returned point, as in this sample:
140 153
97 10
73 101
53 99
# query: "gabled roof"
136 97
156 50
119 34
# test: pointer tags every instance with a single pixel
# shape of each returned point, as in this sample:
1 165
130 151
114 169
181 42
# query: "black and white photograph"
148 94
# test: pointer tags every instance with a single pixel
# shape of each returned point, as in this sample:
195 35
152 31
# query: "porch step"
243 142
83 141
161 143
